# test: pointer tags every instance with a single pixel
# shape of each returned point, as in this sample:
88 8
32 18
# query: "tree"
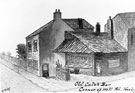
21 51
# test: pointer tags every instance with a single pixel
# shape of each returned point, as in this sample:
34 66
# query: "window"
131 39
29 63
35 45
29 47
35 64
77 60
114 63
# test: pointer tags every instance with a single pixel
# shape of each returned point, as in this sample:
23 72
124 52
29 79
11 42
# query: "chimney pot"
58 10
80 23
97 28
55 10
109 17
57 14
111 27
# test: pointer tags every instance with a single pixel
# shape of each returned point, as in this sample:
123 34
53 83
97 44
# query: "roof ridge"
81 41
38 30
126 12
71 18
118 14
123 19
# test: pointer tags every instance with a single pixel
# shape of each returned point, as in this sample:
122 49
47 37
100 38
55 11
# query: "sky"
19 18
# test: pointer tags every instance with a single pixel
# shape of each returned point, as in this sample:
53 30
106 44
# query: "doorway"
45 70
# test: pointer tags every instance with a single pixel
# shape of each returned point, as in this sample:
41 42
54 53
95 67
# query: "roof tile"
73 45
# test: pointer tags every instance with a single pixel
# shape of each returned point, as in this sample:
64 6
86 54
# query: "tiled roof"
73 23
73 46
87 42
89 34
43 28
99 43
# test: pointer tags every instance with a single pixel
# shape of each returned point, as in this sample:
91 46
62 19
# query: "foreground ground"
22 81
13 82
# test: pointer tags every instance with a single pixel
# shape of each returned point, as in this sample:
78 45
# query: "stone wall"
82 61
86 71
32 66
21 64
131 49
33 56
120 30
62 73
112 63
51 38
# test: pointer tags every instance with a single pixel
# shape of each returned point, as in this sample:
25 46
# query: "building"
122 27
74 44
42 42
93 53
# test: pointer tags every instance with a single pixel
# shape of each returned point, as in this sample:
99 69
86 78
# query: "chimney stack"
80 23
111 27
97 28
57 14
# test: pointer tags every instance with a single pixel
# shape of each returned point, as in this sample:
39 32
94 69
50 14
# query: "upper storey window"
35 45
131 39
29 47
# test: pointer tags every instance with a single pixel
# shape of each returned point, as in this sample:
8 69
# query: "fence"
62 73
29 65
17 62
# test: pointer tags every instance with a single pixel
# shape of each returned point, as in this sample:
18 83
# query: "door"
45 70
98 68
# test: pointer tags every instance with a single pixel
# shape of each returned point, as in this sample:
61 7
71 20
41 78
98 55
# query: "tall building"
122 27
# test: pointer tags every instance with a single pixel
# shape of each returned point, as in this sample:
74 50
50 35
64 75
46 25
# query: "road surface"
11 81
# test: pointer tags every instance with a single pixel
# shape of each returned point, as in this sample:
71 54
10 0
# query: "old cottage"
74 44
42 42
93 53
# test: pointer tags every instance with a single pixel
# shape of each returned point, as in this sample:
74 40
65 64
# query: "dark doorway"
45 70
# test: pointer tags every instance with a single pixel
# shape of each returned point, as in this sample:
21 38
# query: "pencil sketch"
72 55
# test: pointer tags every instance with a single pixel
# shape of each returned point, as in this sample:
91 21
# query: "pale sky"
19 18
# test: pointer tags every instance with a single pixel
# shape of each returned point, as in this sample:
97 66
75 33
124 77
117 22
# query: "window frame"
29 44
113 63
132 39
35 45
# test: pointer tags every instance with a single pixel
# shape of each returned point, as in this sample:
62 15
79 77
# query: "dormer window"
35 45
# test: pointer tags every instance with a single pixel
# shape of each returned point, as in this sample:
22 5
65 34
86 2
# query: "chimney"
57 14
80 23
111 27
97 28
